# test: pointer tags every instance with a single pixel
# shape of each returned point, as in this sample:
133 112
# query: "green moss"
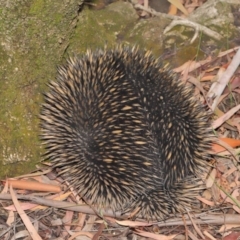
36 7
29 54
101 28
57 18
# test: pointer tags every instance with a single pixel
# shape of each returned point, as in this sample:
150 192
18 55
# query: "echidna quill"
125 132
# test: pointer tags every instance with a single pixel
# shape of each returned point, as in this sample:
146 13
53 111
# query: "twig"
217 88
181 21
198 218
198 28
159 14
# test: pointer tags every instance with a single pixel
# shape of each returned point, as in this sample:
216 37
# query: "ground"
38 35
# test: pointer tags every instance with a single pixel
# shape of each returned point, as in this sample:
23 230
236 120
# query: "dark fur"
125 132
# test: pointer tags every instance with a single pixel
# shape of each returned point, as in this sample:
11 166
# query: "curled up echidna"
125 133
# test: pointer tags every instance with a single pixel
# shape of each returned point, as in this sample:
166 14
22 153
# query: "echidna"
125 133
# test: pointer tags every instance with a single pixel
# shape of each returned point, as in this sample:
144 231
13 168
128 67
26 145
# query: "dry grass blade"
133 223
155 236
225 117
217 88
30 185
195 226
32 231
179 5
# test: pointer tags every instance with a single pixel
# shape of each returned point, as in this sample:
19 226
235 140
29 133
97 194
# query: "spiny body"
125 132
